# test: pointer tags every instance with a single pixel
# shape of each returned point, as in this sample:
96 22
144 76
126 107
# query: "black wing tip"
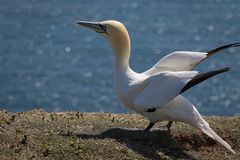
211 52
236 44
225 69
202 77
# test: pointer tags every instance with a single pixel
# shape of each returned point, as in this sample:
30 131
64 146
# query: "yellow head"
118 37
115 32
109 29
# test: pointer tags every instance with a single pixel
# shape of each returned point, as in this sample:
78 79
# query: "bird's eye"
103 27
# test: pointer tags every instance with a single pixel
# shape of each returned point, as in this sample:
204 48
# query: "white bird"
156 93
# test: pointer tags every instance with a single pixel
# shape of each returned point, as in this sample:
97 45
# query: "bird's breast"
123 94
127 92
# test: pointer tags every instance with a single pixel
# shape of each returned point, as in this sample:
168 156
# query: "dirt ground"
74 135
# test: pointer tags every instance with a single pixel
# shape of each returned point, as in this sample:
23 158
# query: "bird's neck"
121 47
122 60
123 73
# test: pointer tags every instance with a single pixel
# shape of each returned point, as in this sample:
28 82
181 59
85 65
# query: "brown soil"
74 135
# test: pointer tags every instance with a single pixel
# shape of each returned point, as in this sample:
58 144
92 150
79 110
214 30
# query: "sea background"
48 62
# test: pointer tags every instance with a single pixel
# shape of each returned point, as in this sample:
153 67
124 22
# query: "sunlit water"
48 62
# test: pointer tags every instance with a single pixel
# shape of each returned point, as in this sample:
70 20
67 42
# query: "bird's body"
156 93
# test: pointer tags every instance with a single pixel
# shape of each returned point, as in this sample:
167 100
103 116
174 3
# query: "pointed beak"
96 26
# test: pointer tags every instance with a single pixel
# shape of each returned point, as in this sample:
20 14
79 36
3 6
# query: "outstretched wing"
184 60
177 61
163 87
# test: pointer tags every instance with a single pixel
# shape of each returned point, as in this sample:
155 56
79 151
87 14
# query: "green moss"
46 150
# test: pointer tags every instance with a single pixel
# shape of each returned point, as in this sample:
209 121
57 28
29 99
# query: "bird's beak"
96 26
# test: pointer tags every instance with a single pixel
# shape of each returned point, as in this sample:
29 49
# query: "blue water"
48 62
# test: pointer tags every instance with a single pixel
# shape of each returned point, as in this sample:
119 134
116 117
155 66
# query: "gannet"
156 93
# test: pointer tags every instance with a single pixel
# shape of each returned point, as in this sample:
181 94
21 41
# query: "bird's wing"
184 60
177 61
164 86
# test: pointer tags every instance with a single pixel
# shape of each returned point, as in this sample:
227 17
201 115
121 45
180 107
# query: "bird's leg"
151 124
169 125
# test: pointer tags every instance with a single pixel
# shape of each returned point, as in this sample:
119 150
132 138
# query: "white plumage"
167 84
178 61
156 93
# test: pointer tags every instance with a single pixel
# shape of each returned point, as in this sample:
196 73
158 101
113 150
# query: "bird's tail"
180 109
208 131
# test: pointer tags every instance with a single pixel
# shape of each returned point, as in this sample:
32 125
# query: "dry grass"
74 135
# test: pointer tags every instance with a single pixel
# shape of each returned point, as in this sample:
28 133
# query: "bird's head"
108 29
113 30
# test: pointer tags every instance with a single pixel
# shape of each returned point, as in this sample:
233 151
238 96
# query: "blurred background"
48 62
